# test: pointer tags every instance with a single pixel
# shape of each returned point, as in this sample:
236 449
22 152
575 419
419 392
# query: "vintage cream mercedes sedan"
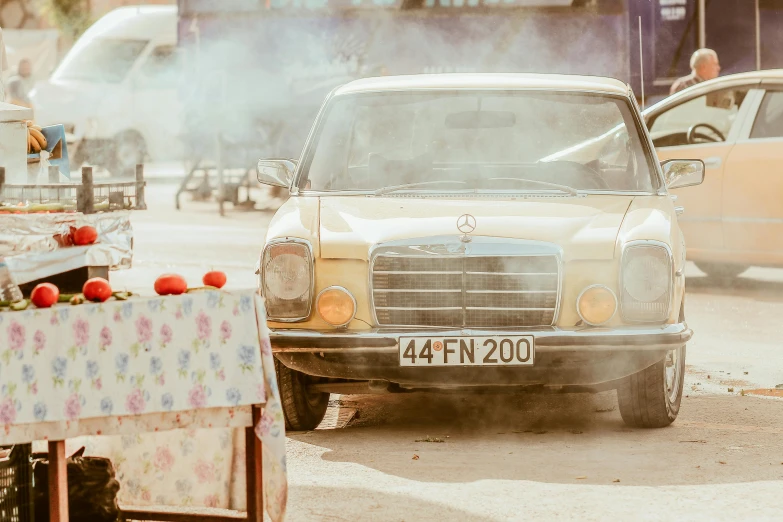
435 240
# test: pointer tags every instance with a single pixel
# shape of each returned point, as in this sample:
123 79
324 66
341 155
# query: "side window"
769 120
717 109
162 68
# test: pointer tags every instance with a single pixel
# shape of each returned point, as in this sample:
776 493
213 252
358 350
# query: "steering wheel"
692 135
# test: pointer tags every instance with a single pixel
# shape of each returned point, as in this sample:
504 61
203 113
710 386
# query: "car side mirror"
277 172
683 173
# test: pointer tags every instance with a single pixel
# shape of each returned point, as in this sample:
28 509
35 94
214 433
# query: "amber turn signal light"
336 305
596 305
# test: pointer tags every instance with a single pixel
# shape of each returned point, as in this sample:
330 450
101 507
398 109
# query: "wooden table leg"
58 482
254 471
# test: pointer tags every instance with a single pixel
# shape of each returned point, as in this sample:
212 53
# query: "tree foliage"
72 17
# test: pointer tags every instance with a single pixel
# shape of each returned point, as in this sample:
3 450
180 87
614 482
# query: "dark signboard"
676 34
771 21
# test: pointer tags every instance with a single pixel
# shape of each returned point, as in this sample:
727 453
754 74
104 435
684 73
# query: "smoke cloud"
269 71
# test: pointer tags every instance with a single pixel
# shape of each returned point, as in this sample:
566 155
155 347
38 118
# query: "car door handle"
712 163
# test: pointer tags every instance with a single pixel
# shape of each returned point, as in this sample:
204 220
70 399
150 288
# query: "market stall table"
146 364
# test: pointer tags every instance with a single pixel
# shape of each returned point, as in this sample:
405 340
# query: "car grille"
498 291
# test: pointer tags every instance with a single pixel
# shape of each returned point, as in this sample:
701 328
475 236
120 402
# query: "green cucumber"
18 306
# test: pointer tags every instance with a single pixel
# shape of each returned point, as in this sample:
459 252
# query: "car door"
721 108
753 184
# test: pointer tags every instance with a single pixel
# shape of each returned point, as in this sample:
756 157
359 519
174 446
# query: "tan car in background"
734 124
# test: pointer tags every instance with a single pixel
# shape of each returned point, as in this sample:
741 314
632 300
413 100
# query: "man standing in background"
19 86
704 66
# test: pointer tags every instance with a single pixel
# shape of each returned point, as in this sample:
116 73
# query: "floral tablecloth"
146 364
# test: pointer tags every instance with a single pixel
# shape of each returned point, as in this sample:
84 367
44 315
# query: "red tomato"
171 284
214 278
96 290
45 295
86 235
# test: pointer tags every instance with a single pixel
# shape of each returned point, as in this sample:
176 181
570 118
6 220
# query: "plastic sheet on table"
33 234
33 266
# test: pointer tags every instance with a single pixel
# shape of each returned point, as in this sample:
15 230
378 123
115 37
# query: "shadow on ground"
576 439
325 504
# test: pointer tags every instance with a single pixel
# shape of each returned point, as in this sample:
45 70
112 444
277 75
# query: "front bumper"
563 357
385 340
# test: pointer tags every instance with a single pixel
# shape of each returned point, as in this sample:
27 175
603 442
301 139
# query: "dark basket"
16 485
92 488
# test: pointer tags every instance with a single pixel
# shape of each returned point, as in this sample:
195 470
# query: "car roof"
489 81
155 23
730 80
133 22
767 74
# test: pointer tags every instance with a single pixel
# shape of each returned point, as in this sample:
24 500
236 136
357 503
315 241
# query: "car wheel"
129 151
651 398
303 409
721 271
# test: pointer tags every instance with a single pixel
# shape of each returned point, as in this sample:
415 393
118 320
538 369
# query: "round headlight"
596 305
287 276
646 278
336 305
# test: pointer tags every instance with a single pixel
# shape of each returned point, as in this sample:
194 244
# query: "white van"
116 90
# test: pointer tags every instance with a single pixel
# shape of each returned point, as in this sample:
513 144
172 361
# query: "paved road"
552 457
192 241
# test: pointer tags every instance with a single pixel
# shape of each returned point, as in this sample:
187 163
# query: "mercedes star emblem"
466 224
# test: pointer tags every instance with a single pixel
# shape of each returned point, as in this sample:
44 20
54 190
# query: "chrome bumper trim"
385 340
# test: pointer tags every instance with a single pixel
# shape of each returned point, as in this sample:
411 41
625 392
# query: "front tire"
303 409
721 271
651 398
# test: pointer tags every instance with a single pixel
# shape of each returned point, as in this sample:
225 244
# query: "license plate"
467 351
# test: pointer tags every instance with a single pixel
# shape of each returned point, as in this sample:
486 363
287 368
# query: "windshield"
102 60
477 140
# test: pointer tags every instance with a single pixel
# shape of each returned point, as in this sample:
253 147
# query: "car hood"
585 227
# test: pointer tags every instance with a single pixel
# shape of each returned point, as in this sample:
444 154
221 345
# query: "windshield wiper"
394 188
565 188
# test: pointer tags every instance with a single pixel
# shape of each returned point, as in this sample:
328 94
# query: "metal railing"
87 197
